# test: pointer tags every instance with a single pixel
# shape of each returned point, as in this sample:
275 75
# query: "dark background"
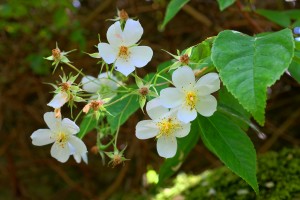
29 30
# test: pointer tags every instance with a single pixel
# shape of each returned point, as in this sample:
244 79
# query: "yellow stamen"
167 127
123 52
62 139
190 99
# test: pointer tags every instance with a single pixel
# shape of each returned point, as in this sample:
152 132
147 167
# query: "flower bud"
144 91
56 54
123 15
184 59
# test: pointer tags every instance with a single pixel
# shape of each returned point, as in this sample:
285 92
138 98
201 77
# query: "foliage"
199 106
277 174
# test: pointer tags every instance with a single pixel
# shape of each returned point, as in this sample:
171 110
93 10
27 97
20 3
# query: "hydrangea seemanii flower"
163 125
61 133
189 96
122 48
106 85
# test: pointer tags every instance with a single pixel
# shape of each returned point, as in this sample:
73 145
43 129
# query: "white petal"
114 35
124 66
183 77
208 84
78 145
171 97
155 109
206 105
166 146
52 122
186 114
58 100
146 129
183 131
60 153
84 158
77 158
133 32
69 126
140 55
107 52
42 137
90 84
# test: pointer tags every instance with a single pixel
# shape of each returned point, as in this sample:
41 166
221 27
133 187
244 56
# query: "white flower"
122 49
189 96
61 133
106 85
164 126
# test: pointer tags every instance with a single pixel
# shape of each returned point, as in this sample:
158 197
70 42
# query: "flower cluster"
123 52
185 100
171 111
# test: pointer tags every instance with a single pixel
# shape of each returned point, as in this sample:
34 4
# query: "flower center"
123 52
184 59
56 54
190 99
167 127
62 139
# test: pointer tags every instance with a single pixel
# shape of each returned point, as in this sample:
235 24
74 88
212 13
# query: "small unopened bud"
94 150
144 91
123 15
56 54
184 59
57 113
95 105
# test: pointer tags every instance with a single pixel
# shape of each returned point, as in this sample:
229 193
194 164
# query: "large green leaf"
223 4
185 145
233 109
173 8
248 65
121 111
275 16
233 147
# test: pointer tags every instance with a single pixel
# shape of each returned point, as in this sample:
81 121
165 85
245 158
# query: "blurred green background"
29 30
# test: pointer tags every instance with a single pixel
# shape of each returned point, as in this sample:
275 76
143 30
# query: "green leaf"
223 4
230 106
201 54
293 14
121 111
88 123
294 69
173 8
248 65
185 145
231 145
277 17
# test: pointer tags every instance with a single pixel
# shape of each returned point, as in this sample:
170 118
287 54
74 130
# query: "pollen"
123 52
190 99
167 127
62 139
